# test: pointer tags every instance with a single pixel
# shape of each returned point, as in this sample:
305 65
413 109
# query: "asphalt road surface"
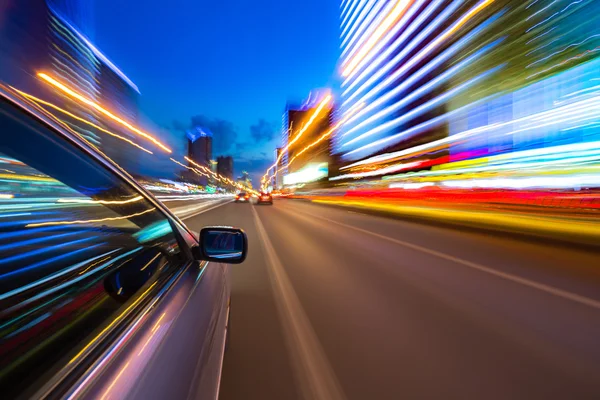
334 304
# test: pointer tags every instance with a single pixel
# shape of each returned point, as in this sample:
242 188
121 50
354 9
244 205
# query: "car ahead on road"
103 291
265 198
242 197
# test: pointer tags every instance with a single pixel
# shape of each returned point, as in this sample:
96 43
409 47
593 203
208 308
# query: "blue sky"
229 64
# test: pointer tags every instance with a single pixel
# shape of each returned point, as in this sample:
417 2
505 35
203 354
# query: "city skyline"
216 62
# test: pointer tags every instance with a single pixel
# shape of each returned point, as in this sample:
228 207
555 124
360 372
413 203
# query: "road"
334 304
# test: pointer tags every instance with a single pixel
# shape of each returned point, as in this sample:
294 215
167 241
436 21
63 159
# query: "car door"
85 260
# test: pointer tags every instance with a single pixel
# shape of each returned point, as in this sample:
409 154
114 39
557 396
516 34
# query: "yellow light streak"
90 201
157 324
199 166
18 177
101 109
150 262
40 101
94 264
5 196
190 168
89 221
107 392
398 10
114 322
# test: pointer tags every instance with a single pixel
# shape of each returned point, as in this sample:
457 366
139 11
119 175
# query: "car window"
76 245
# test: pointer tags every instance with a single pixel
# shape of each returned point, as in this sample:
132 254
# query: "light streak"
37 100
389 48
151 261
394 52
5 160
540 35
96 52
314 115
114 322
365 16
563 50
381 171
42 250
101 109
367 25
89 221
576 111
409 186
557 182
550 17
199 166
425 107
190 168
6 196
157 324
585 53
18 177
114 381
392 17
421 55
421 89
94 264
90 201
351 10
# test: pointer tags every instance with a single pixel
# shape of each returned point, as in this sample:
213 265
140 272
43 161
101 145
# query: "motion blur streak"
90 201
102 110
89 221
85 121
393 16
114 322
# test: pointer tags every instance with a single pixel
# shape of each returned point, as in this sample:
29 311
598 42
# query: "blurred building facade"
225 166
53 37
296 157
244 179
429 84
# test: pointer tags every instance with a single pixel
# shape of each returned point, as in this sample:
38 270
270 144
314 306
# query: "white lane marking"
203 210
315 375
517 279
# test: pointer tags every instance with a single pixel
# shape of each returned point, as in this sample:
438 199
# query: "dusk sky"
231 65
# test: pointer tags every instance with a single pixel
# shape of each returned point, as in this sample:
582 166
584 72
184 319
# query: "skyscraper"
199 150
225 166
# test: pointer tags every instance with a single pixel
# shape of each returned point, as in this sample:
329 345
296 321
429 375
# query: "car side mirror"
222 244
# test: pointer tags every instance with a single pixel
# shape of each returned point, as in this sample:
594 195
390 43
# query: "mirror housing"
222 244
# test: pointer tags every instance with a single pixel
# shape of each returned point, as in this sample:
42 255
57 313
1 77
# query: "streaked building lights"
467 89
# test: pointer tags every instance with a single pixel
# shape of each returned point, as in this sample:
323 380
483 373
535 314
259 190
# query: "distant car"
265 198
242 197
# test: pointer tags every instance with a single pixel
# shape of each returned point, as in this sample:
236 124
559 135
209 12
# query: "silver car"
103 291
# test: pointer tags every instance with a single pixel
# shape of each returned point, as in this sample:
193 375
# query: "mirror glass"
220 244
